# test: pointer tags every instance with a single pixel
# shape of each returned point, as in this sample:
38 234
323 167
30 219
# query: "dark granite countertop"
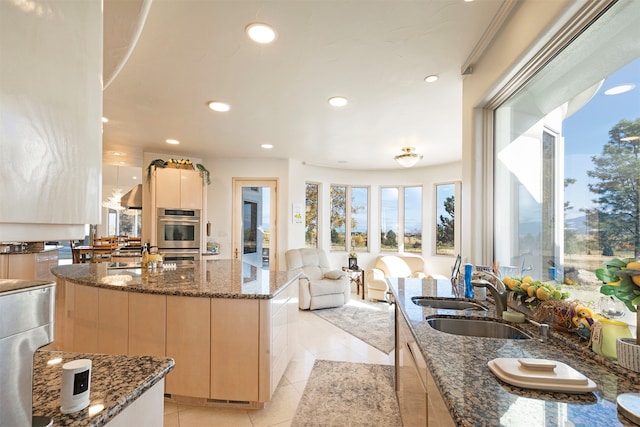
211 278
476 397
116 381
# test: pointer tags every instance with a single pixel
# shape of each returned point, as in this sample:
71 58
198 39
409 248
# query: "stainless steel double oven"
179 234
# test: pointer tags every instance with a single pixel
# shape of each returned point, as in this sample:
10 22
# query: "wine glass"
611 308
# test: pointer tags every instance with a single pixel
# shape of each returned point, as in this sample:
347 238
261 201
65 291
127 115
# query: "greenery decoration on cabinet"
179 164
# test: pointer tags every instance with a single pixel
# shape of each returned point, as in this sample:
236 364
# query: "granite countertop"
211 278
475 396
116 381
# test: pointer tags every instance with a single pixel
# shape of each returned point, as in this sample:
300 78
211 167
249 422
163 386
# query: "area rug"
348 394
368 321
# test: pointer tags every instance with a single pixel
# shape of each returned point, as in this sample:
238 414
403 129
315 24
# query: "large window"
567 160
401 219
349 232
311 215
446 219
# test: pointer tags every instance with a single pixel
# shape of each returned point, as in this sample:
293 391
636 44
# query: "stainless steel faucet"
498 291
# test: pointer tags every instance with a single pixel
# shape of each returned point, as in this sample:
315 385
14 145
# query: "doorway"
254 221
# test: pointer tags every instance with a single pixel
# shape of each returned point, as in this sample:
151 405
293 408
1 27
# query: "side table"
357 277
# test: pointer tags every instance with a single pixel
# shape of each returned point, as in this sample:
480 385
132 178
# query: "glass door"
254 222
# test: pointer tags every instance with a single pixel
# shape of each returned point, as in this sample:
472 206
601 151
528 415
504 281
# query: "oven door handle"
173 219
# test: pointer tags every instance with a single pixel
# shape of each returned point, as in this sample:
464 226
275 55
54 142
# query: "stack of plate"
541 374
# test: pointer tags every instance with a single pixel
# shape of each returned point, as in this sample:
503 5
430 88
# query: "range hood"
133 199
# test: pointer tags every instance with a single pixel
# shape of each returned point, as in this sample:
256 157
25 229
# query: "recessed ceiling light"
430 79
260 33
220 107
117 153
173 141
617 90
105 120
338 101
267 146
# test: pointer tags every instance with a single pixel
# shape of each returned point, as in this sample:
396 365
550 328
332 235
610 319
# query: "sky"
587 131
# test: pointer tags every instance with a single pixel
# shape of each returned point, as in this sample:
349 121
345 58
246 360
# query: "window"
413 219
311 215
353 233
401 219
567 160
445 219
127 222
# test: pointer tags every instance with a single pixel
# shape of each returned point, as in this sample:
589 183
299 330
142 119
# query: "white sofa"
394 266
319 285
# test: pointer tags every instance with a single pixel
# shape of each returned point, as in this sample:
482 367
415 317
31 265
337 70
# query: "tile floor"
317 339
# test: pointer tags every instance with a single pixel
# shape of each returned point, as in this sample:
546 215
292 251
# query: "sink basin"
448 304
477 328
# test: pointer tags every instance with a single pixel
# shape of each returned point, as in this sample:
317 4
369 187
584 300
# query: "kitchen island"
229 326
452 369
124 390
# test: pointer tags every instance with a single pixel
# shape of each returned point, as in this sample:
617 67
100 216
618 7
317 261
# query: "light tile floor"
317 339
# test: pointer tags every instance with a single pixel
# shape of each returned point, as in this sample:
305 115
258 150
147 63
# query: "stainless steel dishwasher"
27 310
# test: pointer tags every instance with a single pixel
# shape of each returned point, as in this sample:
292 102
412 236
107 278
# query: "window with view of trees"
311 215
567 161
349 231
401 219
445 219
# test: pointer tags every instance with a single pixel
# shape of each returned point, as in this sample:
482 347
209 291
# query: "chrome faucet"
498 291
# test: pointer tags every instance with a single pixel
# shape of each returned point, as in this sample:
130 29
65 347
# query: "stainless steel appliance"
181 256
178 229
28 310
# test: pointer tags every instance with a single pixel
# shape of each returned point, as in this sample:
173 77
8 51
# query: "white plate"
562 378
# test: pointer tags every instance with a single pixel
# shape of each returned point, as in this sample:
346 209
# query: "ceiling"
374 53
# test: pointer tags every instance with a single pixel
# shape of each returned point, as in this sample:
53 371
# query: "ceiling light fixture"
338 101
430 79
260 33
408 158
105 120
220 107
617 90
267 146
172 141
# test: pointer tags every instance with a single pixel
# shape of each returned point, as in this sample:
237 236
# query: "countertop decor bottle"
468 287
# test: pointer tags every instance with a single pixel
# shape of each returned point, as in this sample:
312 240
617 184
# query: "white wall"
291 235
50 119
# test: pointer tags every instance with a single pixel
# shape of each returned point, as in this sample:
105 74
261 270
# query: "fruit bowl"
534 291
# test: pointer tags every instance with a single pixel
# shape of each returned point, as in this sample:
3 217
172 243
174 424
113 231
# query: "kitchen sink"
477 328
447 304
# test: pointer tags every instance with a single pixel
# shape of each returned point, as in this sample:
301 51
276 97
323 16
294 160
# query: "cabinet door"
147 321
234 349
412 394
167 188
85 319
4 266
190 189
22 266
113 321
188 343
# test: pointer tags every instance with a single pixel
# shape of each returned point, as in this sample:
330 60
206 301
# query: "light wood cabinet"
235 328
113 321
410 381
22 266
4 266
29 266
147 324
84 315
225 349
178 188
188 343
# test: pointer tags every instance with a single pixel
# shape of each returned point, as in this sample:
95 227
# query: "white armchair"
394 266
319 285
